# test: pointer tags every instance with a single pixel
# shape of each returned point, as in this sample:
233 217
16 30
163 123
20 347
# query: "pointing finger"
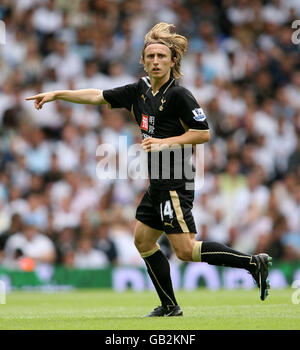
31 98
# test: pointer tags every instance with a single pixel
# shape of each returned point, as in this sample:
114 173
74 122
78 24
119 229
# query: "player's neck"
156 84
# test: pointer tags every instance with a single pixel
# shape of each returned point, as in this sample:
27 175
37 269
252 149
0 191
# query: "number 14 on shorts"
166 210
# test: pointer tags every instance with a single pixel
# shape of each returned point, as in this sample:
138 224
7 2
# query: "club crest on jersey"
145 122
161 107
199 115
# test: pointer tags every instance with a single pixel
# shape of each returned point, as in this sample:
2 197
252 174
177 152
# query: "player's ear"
143 62
174 59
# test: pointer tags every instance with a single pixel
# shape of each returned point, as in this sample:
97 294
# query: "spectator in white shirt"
14 50
91 78
64 217
255 194
87 257
118 76
293 90
240 12
47 19
37 211
29 243
66 150
38 155
275 12
217 60
67 65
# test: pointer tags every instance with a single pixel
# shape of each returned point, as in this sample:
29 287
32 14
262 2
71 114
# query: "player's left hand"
152 144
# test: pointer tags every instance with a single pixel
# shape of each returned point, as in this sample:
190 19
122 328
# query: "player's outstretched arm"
83 96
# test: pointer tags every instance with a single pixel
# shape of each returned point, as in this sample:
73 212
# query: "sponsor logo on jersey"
199 115
145 122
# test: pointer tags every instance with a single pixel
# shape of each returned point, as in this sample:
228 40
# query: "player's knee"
138 243
142 245
184 254
139 240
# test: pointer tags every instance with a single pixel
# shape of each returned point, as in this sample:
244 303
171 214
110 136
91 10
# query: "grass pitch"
107 310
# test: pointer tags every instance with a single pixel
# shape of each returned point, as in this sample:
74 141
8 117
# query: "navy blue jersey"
170 112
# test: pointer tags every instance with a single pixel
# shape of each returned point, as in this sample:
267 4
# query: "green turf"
105 309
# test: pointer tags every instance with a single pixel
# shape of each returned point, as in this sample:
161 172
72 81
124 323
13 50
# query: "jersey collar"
163 89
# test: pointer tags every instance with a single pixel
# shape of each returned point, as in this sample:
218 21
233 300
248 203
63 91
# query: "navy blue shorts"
167 210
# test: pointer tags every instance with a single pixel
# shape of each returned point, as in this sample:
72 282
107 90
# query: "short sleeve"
121 97
189 110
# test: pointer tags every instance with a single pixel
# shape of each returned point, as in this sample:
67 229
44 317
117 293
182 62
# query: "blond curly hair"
164 33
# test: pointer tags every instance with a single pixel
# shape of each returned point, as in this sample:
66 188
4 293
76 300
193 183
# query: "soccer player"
170 120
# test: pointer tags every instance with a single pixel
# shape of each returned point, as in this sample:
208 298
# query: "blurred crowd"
243 68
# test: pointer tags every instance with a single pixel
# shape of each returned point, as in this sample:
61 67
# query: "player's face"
158 61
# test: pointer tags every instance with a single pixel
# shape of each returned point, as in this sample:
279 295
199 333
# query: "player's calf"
218 254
